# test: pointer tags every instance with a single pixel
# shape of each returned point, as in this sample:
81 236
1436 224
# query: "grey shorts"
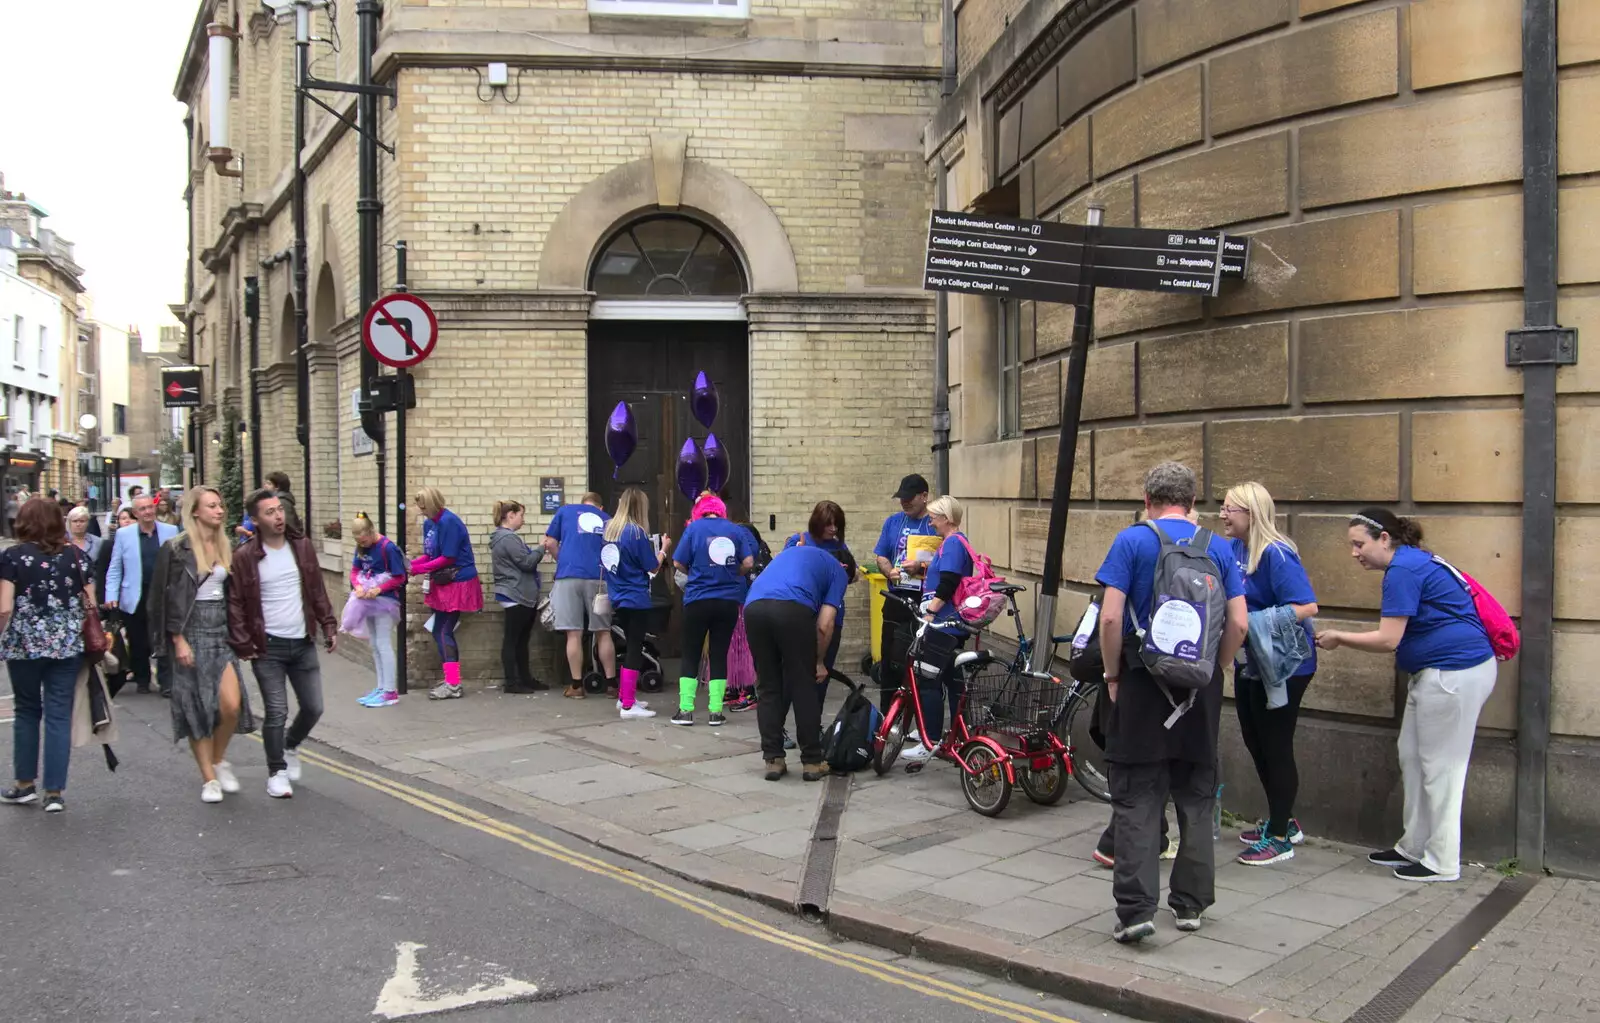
573 601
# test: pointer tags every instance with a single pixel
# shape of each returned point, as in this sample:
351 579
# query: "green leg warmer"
686 688
719 689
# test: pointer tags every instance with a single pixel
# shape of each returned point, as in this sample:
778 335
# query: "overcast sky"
90 131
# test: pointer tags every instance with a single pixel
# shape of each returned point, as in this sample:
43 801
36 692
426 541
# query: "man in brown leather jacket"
276 603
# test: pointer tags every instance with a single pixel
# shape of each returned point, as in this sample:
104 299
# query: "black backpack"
847 743
1085 663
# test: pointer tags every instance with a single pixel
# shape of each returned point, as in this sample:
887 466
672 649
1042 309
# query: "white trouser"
1435 744
380 636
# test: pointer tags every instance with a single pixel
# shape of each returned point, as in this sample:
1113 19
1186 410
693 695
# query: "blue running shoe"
376 691
1267 851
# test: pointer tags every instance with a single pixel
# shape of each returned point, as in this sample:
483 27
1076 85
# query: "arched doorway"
667 307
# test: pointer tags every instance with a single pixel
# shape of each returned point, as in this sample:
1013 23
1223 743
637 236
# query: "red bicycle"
1002 732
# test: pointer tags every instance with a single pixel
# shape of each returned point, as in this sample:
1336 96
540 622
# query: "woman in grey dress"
189 623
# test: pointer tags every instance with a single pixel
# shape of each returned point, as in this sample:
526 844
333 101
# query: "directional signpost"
1005 258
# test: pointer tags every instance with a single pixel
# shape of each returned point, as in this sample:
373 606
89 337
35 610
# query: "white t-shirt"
282 607
211 585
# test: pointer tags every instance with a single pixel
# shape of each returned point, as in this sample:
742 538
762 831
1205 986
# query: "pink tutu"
462 595
741 666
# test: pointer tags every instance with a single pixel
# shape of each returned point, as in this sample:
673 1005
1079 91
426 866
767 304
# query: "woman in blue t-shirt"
945 572
825 529
714 557
1431 625
627 560
1281 603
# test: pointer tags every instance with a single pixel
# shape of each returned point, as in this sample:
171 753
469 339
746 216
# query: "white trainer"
211 792
636 703
225 776
292 759
637 711
278 786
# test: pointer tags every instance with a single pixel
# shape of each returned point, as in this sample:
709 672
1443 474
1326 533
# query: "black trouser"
702 618
783 644
891 651
514 645
1138 808
635 623
138 632
1269 736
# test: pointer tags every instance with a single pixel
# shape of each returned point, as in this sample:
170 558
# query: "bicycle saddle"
1006 587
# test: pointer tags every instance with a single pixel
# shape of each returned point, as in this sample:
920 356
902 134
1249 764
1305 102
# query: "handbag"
95 640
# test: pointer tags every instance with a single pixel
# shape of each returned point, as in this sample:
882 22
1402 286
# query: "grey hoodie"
516 567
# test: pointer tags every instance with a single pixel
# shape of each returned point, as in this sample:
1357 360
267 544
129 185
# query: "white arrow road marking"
402 995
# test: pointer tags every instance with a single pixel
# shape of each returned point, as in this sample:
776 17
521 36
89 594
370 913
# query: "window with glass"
674 8
667 257
16 340
119 418
44 340
1010 333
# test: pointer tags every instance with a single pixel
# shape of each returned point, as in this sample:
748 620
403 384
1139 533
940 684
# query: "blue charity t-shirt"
802 574
1279 579
833 547
952 557
1444 630
579 529
896 529
711 551
627 564
1130 564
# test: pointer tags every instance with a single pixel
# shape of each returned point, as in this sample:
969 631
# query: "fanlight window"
666 258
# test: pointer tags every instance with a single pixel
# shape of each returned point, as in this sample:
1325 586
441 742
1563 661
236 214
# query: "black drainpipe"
1538 349
941 307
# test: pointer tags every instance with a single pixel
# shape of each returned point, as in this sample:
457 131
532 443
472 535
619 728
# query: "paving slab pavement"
1315 938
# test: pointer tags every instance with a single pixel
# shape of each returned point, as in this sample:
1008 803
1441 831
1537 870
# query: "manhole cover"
250 875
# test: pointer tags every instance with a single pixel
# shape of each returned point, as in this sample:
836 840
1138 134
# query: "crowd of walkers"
758 630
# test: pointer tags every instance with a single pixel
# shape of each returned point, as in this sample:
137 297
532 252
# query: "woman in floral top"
45 585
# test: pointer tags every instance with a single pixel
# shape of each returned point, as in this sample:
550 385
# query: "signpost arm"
1067 449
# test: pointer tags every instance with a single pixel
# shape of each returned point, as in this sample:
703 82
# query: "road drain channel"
816 879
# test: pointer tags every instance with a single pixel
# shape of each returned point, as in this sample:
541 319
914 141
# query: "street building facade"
601 200
1374 153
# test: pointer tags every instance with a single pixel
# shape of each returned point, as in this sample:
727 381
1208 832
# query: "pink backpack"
977 604
1502 631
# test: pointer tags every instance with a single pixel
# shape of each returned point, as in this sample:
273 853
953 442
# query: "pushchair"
651 680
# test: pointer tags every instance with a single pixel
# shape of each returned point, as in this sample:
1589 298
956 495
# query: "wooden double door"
652 365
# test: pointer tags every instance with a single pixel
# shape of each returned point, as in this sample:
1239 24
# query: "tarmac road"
369 897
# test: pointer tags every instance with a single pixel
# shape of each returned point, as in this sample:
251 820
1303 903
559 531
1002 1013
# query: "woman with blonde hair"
1278 659
628 560
453 585
377 575
952 563
189 623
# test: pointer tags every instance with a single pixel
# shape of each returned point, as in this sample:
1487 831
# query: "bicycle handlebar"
916 609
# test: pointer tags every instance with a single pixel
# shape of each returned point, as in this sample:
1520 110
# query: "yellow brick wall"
482 182
978 25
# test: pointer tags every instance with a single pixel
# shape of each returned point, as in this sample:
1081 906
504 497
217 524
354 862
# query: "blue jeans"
43 686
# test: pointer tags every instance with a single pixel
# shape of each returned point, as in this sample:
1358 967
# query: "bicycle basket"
1003 700
932 653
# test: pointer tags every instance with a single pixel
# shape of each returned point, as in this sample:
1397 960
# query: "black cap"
910 487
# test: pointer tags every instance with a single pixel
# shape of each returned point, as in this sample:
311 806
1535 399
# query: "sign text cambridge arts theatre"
999 257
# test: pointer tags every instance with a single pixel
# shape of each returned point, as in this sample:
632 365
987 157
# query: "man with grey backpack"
1174 607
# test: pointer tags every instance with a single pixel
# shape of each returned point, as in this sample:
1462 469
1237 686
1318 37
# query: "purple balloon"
691 470
717 466
703 401
622 436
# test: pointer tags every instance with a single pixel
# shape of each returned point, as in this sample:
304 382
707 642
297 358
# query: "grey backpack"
1187 609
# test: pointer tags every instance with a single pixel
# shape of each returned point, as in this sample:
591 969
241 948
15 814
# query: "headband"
1374 523
709 504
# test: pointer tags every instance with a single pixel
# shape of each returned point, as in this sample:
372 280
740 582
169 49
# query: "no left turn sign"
400 330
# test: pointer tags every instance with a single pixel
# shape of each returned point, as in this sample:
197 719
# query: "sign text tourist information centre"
998 257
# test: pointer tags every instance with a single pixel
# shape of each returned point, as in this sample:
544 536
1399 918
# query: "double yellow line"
705 908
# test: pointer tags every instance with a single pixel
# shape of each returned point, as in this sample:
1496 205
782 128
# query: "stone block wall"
1372 150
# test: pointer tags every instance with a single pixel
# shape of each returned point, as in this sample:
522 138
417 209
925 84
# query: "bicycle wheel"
891 737
1044 787
984 782
1086 758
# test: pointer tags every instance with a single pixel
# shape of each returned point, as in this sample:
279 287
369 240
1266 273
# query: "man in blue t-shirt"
911 520
788 620
1149 754
574 538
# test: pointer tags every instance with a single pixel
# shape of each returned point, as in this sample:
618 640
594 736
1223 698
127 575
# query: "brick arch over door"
622 194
